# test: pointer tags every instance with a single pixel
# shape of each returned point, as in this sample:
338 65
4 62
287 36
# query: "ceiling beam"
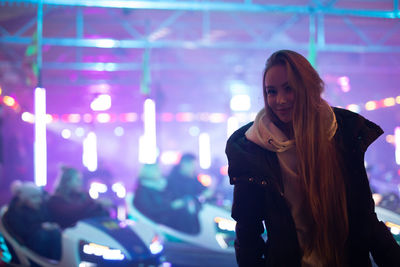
142 44
246 6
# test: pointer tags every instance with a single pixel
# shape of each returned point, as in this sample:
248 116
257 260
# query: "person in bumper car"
186 193
150 197
70 203
29 221
299 170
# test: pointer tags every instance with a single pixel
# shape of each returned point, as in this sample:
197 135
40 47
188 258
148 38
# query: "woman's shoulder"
353 119
238 144
247 162
355 127
239 133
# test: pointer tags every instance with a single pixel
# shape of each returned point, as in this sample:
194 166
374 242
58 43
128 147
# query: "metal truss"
316 12
245 6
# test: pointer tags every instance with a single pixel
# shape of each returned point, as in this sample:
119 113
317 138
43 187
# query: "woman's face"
280 96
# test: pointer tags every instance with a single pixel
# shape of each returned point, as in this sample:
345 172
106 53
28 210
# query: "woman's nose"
281 98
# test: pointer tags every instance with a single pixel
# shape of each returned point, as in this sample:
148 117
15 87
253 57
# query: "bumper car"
217 229
99 241
391 220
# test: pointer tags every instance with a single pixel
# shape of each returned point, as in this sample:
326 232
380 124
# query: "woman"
70 203
299 169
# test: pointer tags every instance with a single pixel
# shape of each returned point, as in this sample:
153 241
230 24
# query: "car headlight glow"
221 240
225 224
225 232
87 264
119 189
103 251
156 245
394 228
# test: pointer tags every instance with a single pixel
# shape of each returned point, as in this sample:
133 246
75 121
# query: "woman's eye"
271 92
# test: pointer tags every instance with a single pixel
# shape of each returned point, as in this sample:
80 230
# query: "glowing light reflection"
87 118
119 131
389 102
232 125
344 83
80 132
371 105
101 103
204 179
221 241
147 142
170 157
225 224
103 117
40 145
204 151
9 101
28 117
104 251
74 118
66 134
397 144
240 103
89 157
119 189
354 107
156 245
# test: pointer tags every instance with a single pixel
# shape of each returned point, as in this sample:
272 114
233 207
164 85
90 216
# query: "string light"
371 105
389 102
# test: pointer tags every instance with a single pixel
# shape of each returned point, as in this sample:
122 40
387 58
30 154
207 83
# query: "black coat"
25 221
256 175
152 203
67 212
25 224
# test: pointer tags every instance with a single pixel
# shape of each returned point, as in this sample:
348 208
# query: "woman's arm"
64 212
247 211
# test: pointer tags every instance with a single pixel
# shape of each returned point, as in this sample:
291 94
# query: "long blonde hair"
317 160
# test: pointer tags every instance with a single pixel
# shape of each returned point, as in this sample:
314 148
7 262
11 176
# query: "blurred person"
186 193
182 180
299 170
29 220
150 198
70 203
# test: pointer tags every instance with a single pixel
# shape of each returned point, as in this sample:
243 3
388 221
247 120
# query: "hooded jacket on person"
262 166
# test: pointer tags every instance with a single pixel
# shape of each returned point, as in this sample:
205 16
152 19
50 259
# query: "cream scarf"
266 134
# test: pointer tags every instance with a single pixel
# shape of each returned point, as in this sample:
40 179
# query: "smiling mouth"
284 110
